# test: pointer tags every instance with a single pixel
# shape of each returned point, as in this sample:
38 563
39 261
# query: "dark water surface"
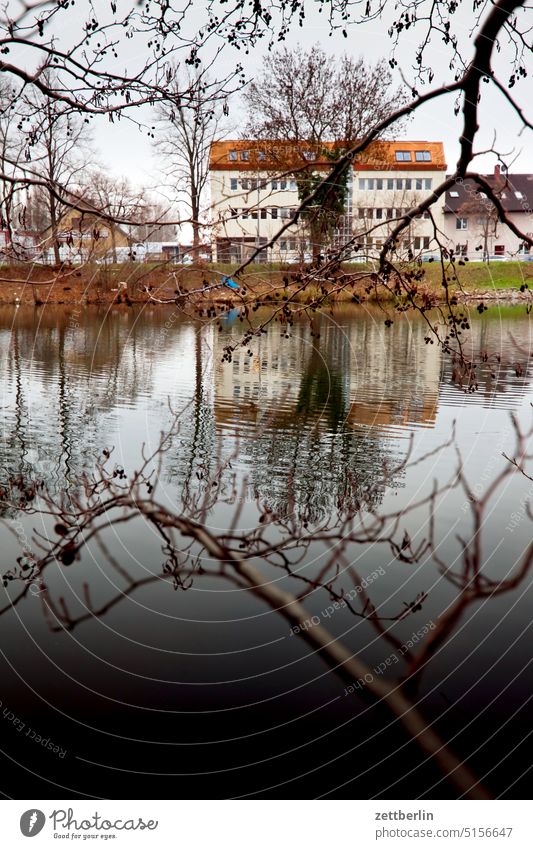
205 692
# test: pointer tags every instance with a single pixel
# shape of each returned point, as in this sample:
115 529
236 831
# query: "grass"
479 275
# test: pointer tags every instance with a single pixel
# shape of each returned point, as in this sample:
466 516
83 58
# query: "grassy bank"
127 281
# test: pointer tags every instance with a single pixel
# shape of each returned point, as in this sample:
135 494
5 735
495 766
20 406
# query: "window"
428 184
253 184
261 155
283 184
407 184
403 156
245 155
421 243
369 213
454 194
362 185
292 185
499 250
263 213
233 184
518 195
245 185
390 185
244 213
389 213
461 250
362 212
254 214
461 223
274 212
283 245
274 184
379 184
379 213
292 244
422 156
370 183
426 242
310 155
418 184
233 155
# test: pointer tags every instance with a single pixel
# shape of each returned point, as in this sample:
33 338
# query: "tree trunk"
195 209
53 226
316 235
113 243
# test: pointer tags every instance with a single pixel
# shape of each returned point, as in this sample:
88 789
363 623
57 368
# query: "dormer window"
245 155
261 155
310 155
233 156
454 194
422 156
403 156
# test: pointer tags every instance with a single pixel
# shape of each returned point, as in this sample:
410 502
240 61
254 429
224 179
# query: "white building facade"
471 224
254 192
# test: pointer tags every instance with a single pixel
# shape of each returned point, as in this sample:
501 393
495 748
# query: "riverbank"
130 283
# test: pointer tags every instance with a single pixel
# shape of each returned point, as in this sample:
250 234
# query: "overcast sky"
128 151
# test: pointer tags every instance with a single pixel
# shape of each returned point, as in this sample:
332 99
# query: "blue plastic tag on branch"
227 281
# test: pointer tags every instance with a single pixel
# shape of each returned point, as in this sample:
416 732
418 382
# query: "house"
19 245
254 191
83 235
471 223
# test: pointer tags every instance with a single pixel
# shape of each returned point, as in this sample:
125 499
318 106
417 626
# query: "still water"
206 692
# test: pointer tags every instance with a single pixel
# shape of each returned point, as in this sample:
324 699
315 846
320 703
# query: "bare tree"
13 199
154 210
308 95
323 104
484 221
57 142
190 550
115 199
188 125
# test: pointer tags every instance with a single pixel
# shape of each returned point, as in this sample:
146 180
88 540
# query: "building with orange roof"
254 192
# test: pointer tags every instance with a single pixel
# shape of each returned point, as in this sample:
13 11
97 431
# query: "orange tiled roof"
226 155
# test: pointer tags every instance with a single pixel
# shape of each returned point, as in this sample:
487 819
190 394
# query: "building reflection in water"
315 414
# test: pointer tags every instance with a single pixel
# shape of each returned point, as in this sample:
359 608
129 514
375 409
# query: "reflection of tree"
193 461
15 441
499 367
322 390
308 460
247 557
65 372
